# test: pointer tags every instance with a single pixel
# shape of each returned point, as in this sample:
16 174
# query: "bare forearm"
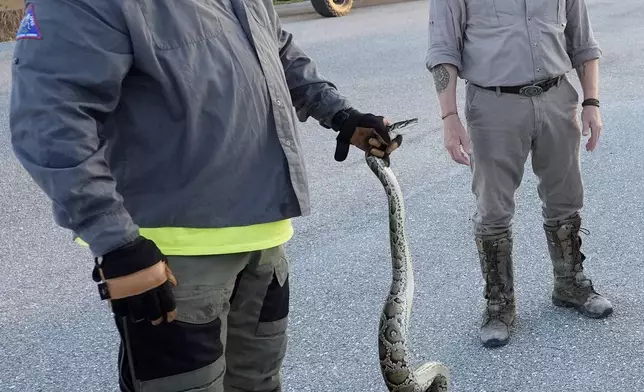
445 77
588 74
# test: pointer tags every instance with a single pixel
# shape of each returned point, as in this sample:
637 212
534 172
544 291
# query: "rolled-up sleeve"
446 26
67 76
580 41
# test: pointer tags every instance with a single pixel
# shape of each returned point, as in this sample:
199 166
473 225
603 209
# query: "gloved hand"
137 281
365 131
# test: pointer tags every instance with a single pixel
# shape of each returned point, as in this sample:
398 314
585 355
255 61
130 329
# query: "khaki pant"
230 331
504 129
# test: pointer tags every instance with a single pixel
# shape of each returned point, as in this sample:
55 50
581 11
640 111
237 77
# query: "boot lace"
578 259
495 284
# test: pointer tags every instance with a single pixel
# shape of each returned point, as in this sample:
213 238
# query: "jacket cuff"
109 232
325 109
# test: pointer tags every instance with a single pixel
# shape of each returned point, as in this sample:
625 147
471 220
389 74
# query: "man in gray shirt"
164 133
514 56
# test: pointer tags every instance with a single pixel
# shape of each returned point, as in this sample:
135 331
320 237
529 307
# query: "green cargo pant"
230 331
504 129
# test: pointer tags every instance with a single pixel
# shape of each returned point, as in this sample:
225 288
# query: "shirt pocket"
174 24
480 12
508 12
555 11
494 13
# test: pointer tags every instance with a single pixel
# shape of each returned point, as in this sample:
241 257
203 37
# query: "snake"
397 371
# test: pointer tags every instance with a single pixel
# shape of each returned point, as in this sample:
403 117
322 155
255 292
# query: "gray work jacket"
163 113
510 42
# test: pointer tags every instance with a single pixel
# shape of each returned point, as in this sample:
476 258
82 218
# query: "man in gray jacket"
514 56
163 132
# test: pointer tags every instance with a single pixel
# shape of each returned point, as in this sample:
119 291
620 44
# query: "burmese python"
398 374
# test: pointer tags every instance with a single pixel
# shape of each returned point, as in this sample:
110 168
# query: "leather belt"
528 90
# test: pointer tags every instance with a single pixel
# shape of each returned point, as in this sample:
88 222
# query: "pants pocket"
471 92
573 93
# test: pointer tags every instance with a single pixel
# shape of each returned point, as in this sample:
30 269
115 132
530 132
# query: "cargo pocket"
257 323
198 306
184 354
273 317
272 323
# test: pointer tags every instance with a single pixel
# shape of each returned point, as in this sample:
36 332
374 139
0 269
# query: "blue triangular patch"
28 26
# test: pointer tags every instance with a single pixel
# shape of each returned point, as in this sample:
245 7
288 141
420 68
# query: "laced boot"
495 256
572 289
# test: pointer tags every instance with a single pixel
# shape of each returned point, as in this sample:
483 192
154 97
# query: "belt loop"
498 91
559 79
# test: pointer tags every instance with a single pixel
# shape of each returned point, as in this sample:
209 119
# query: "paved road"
56 336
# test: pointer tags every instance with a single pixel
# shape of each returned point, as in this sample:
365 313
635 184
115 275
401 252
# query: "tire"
332 8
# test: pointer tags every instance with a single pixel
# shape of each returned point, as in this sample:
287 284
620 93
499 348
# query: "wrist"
340 118
136 283
449 113
135 256
591 94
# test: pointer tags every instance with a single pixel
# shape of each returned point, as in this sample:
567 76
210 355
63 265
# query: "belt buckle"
531 91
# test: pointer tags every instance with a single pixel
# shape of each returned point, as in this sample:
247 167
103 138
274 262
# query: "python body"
398 374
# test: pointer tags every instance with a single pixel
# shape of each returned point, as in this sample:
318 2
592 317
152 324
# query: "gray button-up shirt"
163 113
510 42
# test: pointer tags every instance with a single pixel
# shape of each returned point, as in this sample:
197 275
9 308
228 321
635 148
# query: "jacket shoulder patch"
28 26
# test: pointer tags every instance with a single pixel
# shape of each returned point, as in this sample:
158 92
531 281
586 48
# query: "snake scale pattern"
398 374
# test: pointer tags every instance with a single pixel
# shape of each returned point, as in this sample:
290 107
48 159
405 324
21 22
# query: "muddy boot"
495 255
572 289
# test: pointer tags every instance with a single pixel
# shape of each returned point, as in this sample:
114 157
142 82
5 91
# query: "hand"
374 138
137 281
455 136
591 120
367 132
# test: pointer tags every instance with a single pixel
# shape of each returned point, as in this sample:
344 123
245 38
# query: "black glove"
365 131
137 281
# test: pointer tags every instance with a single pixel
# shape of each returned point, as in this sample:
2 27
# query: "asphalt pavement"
55 334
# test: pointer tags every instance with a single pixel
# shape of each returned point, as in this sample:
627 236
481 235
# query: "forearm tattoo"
441 78
582 69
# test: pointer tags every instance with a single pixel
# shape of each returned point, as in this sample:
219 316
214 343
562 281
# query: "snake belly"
398 373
